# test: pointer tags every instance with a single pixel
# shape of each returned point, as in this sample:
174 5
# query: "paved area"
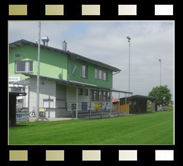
32 119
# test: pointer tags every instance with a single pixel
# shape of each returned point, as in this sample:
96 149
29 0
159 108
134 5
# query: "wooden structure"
133 105
123 108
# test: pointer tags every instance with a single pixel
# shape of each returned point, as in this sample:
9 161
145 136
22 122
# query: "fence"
97 114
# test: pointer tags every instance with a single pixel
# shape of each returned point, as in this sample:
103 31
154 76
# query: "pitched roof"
68 53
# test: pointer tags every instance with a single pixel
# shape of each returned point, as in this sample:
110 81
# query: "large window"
99 74
83 71
97 95
94 95
24 66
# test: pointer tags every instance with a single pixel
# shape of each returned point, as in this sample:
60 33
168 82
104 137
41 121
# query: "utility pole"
38 70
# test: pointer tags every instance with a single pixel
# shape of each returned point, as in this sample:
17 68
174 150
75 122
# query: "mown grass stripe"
150 128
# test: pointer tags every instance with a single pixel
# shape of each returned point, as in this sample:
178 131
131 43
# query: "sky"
106 41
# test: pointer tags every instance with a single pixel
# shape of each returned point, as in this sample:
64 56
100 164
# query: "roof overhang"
21 82
17 93
140 97
120 91
68 53
76 83
65 82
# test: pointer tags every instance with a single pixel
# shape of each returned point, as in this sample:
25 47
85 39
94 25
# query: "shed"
12 106
123 105
135 104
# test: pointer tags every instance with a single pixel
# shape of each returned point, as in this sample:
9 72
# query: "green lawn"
150 128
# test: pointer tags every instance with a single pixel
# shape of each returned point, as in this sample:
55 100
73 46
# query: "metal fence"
97 114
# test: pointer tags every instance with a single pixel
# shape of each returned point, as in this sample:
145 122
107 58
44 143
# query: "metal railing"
97 114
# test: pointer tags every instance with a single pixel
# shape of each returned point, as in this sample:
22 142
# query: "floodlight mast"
160 71
129 64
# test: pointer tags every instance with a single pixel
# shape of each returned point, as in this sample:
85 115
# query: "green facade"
90 79
52 64
56 65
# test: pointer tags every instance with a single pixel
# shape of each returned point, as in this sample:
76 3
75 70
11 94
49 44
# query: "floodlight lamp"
128 38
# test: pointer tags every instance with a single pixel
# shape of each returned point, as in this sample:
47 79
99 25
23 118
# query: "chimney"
64 45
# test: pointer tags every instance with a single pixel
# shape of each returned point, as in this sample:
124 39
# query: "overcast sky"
106 41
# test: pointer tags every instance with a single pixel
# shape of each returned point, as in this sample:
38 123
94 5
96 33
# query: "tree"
161 95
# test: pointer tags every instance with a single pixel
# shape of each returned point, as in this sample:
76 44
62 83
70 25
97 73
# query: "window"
31 66
17 55
96 73
24 66
104 76
48 103
20 66
99 74
104 98
97 95
83 71
108 96
94 95
86 92
80 91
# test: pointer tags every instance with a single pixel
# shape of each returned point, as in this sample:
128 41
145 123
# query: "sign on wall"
105 106
14 79
97 106
84 106
22 116
74 67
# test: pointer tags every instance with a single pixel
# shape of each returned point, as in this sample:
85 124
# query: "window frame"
96 73
27 67
18 71
85 71
80 91
94 95
86 92
99 74
105 78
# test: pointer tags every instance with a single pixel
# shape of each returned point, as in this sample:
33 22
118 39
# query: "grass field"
150 129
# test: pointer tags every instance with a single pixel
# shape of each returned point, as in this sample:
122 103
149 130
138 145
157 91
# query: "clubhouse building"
68 81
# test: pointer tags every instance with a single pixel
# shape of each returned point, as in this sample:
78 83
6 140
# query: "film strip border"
90 10
90 155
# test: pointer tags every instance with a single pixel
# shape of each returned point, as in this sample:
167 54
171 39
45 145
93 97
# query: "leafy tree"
161 95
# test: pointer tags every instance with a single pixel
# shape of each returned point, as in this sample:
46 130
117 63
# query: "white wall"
71 95
47 91
61 91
